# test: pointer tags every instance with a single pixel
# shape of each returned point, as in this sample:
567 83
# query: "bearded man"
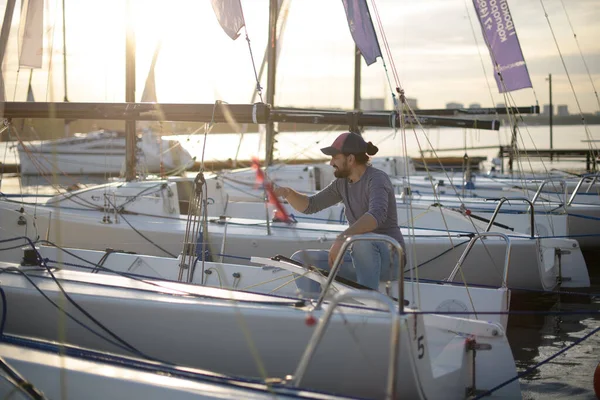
370 207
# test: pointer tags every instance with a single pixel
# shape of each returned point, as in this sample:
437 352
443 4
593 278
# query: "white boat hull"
60 371
533 264
100 153
579 221
276 277
261 336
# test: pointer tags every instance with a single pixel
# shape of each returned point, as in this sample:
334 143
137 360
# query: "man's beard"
339 173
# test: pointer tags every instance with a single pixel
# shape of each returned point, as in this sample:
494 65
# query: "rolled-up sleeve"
379 194
325 198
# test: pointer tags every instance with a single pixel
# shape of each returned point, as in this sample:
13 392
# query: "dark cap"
349 143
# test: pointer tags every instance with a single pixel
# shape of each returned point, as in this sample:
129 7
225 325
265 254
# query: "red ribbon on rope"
280 212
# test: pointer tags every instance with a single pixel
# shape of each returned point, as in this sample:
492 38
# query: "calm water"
533 338
306 145
291 145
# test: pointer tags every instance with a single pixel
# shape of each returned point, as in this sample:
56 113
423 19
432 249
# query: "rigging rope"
120 342
485 73
138 231
581 54
406 106
587 131
258 87
507 97
197 209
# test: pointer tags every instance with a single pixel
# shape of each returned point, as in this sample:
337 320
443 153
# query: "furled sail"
30 96
149 93
31 30
501 38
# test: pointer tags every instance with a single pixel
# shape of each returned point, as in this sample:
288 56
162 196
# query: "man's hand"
297 200
280 191
334 250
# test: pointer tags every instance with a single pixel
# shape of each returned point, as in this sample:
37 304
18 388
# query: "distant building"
546 109
374 104
500 105
412 103
474 105
455 105
562 110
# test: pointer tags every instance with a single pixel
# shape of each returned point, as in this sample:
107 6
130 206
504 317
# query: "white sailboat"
576 221
583 190
533 265
105 216
203 329
555 215
101 152
263 335
276 275
38 369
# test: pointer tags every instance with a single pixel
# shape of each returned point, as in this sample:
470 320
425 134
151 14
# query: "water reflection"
534 338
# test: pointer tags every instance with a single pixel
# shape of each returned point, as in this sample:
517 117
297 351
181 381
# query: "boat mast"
64 26
357 64
129 93
64 29
272 57
282 18
551 111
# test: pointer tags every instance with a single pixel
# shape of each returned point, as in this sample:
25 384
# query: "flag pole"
129 94
272 57
66 98
357 77
64 26
551 111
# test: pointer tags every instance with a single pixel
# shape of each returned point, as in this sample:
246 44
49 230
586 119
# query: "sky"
436 51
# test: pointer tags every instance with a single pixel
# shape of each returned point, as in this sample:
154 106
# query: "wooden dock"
9 168
589 156
449 163
210 166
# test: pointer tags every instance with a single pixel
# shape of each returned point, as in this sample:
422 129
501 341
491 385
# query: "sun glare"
197 62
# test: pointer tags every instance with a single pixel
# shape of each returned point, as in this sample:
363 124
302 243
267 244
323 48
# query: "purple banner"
501 38
230 16
362 30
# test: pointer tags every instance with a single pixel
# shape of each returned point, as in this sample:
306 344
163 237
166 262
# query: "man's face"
341 169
